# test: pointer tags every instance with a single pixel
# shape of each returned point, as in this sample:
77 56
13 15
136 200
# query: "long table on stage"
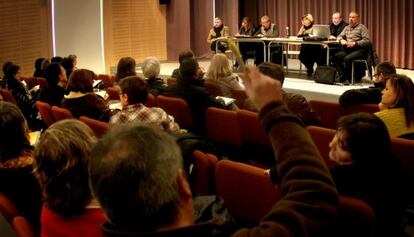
284 42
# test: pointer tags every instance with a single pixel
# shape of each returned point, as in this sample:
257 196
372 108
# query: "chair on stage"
45 111
99 127
369 62
61 113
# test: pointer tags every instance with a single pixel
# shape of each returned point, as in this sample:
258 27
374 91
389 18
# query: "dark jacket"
52 95
310 201
337 29
156 86
89 105
197 98
370 95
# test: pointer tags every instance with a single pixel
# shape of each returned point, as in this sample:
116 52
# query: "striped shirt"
358 34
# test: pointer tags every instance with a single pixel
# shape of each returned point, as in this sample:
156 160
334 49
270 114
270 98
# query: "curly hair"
62 157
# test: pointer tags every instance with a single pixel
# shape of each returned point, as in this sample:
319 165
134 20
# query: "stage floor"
296 81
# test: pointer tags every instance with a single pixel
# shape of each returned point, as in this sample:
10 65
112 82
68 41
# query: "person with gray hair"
137 175
151 71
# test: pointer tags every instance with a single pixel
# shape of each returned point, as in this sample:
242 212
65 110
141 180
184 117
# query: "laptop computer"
321 31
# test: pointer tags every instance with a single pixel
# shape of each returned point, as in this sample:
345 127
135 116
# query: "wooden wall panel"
25 32
134 28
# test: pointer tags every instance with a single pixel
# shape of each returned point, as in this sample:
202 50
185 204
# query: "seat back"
61 113
222 126
355 218
322 137
246 190
178 108
369 108
251 130
204 173
7 208
240 96
45 111
171 81
404 151
99 127
42 82
7 96
150 102
23 227
213 88
113 92
107 80
328 112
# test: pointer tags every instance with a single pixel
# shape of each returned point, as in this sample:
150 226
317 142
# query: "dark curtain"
178 28
390 22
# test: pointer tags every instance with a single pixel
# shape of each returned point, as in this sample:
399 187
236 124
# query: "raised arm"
310 199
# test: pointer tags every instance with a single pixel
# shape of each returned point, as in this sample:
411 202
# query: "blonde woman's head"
219 67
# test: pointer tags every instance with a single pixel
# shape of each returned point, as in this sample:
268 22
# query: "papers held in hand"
34 137
227 100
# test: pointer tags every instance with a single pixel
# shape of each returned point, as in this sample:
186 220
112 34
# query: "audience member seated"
309 54
297 103
38 68
218 30
188 54
67 64
246 29
74 60
17 181
197 97
24 98
355 42
56 59
4 69
134 92
126 67
367 169
151 71
81 100
54 93
143 168
371 95
220 72
397 105
269 30
62 157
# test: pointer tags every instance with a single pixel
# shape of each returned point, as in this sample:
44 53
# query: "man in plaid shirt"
134 92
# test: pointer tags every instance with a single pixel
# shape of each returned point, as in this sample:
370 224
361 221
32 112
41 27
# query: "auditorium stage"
296 81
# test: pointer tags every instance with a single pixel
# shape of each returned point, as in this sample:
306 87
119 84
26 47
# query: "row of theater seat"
10 218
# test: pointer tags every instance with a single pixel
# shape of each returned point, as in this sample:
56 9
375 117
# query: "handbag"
326 75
